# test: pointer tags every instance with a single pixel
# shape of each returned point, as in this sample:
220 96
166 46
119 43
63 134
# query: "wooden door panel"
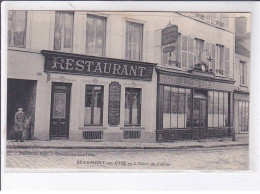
60 111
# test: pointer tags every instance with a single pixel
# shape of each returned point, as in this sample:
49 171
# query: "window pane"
226 119
127 106
221 110
135 107
20 28
188 107
134 41
210 105
240 108
166 107
215 107
181 107
93 105
57 31
174 107
68 30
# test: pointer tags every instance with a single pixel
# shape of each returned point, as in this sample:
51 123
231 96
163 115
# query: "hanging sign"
169 35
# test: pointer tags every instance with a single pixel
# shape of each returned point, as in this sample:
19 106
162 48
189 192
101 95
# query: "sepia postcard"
126 90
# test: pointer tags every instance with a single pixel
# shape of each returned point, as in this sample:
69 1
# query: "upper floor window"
222 60
95 35
134 41
63 31
199 47
17 28
243 72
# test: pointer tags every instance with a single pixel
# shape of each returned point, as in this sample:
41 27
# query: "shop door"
199 118
60 111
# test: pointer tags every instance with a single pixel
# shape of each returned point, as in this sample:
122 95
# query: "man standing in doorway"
19 124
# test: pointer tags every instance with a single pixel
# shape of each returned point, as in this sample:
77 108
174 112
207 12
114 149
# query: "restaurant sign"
195 82
59 62
169 35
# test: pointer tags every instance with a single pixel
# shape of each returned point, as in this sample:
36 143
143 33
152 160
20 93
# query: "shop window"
243 111
63 31
177 105
93 114
17 28
134 41
243 72
95 35
133 106
218 104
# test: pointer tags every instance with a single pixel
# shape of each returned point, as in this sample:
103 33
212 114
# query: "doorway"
200 114
20 94
60 110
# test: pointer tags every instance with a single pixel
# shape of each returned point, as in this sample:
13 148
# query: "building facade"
242 77
130 76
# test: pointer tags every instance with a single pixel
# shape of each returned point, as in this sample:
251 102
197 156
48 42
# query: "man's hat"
20 108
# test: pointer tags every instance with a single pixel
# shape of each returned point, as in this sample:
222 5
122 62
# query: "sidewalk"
67 144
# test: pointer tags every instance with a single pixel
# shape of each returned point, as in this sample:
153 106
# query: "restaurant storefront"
99 99
193 105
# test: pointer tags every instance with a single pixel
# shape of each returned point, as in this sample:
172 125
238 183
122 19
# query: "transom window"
93 114
95 35
134 41
63 31
17 28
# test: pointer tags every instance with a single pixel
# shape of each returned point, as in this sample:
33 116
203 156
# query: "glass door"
199 118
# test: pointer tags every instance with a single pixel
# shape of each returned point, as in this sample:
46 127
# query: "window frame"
244 72
131 106
63 31
141 54
92 104
13 29
104 33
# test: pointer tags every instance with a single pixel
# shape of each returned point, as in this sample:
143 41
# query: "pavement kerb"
125 147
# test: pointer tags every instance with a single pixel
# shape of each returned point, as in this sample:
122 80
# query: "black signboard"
59 62
114 104
169 35
168 49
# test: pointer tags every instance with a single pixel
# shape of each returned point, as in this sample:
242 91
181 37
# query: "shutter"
191 52
207 53
226 52
179 49
184 51
213 55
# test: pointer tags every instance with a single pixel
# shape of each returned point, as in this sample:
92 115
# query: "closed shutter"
207 54
213 55
191 52
226 51
184 51
179 49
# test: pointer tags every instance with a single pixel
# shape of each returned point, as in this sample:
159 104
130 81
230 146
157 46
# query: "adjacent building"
121 76
242 77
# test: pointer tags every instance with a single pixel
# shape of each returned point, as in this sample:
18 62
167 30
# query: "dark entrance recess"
60 110
200 114
20 93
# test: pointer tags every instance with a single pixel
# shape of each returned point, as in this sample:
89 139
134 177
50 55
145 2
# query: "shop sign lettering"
97 66
194 82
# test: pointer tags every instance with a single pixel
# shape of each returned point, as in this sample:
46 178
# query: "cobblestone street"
231 158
